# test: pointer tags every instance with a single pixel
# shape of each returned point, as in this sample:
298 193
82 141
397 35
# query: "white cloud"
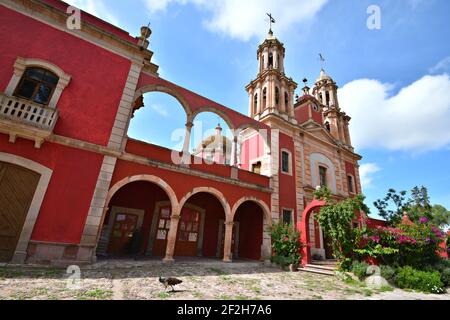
366 172
159 109
443 65
97 8
416 119
243 19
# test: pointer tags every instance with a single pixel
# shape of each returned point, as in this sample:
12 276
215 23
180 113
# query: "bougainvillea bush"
415 245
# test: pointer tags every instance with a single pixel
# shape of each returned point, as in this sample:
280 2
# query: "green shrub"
285 244
445 276
443 267
425 281
359 269
387 272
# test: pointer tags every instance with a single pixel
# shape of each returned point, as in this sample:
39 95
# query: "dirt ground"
202 280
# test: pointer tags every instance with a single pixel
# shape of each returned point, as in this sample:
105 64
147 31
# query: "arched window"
37 85
286 101
265 98
270 60
278 61
327 126
320 97
327 95
255 104
277 96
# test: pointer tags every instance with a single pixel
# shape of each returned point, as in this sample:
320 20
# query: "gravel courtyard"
202 279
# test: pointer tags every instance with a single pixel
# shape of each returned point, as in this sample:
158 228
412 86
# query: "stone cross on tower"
271 20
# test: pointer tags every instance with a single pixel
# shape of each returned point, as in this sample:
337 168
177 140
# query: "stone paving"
202 279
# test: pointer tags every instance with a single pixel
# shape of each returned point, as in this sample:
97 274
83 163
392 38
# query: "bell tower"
335 120
272 92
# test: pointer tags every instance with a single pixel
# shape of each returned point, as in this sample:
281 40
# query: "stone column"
233 160
172 236
227 254
187 140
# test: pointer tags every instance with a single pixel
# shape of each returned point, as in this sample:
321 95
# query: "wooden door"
162 231
188 233
122 232
17 188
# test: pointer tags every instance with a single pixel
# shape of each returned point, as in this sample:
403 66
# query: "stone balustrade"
24 118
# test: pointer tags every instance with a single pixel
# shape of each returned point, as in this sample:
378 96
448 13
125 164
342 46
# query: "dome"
323 76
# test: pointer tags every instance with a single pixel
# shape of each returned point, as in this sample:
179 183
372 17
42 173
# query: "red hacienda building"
74 187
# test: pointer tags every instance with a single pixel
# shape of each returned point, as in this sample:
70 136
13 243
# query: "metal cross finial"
271 20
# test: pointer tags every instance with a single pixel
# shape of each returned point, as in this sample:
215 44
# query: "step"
325 262
322 267
317 271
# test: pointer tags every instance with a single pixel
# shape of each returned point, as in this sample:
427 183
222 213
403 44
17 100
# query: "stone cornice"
261 77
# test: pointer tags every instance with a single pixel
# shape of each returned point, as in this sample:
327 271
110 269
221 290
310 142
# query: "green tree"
440 216
336 220
416 207
401 205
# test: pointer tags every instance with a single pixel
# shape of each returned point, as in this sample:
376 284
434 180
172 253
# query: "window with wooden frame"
255 104
37 85
189 226
287 216
286 162
351 184
323 176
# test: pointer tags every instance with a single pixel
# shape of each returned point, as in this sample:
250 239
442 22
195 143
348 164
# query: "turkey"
170 282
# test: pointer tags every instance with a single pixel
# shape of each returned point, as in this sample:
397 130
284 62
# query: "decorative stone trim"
95 215
20 253
124 113
22 64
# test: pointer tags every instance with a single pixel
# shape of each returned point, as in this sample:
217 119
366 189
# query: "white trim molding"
20 253
22 64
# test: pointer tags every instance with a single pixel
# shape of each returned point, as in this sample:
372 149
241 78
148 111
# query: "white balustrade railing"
26 112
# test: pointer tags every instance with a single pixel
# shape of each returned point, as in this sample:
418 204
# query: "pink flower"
423 220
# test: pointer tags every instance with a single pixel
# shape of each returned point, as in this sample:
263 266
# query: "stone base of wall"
318 252
59 254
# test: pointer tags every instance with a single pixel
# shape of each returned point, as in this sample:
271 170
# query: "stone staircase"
323 267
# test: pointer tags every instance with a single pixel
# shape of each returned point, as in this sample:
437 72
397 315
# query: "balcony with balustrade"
26 119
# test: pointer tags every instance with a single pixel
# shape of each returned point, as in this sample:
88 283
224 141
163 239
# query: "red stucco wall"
66 203
89 103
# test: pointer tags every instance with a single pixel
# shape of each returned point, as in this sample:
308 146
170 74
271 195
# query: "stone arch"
149 178
218 112
20 252
165 89
303 227
264 207
212 191
266 223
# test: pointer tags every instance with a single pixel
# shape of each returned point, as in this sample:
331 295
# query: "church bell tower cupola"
335 120
325 90
272 92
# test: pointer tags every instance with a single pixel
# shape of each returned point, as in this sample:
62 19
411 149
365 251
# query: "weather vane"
322 60
271 20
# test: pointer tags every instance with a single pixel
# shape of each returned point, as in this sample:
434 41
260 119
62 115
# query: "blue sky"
394 81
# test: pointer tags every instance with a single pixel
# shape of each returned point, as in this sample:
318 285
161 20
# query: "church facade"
74 187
